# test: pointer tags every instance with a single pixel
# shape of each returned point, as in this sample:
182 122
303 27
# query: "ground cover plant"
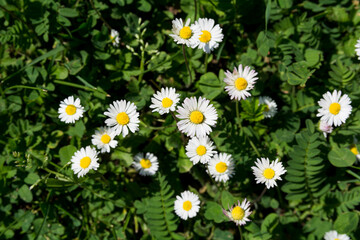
190 119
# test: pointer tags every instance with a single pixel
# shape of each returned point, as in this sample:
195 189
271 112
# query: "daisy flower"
200 149
104 139
325 128
240 82
271 107
335 109
115 38
146 165
208 36
268 173
333 235
197 115
239 213
187 205
122 117
165 101
357 48
183 34
84 160
221 167
70 110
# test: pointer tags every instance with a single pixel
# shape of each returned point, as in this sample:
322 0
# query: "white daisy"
70 110
239 213
104 139
84 160
357 48
187 205
122 117
333 235
268 173
196 117
183 34
115 38
221 167
165 101
200 149
271 107
208 36
239 82
146 165
335 109
325 128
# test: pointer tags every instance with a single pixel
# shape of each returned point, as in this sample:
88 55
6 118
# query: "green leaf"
214 212
25 193
347 222
227 200
60 72
210 85
66 153
68 12
184 164
298 73
341 157
31 178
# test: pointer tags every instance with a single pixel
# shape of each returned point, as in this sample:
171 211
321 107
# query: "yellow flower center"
269 173
353 149
336 239
166 102
122 118
185 33
145 163
187 205
85 162
237 213
240 83
221 167
196 117
105 139
70 109
201 150
334 108
266 108
205 37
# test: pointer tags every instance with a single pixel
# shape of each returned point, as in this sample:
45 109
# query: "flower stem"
186 63
206 61
195 3
240 231
261 195
142 63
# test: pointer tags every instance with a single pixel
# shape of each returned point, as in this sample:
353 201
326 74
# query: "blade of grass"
94 89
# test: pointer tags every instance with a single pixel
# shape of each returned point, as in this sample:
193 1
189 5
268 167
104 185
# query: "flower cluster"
203 34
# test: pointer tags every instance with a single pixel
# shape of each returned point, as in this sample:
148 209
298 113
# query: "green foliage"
158 212
52 49
305 172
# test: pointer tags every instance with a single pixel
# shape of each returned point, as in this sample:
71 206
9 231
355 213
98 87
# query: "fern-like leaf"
305 178
345 201
159 212
340 74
